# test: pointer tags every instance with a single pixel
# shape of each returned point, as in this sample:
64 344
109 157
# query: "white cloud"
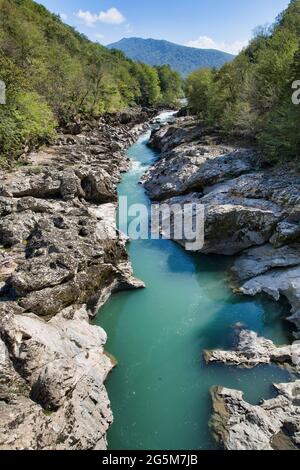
111 16
63 16
89 18
205 42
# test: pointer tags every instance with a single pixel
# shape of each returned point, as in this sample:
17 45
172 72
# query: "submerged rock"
273 424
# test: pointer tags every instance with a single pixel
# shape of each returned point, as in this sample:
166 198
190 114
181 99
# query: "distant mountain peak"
184 59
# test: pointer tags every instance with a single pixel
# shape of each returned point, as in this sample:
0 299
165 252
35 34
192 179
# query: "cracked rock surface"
273 425
251 211
61 257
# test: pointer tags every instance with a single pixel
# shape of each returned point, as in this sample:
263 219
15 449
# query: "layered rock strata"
61 256
252 211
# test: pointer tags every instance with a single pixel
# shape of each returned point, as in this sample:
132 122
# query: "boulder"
62 367
253 350
61 257
259 260
273 425
275 283
194 167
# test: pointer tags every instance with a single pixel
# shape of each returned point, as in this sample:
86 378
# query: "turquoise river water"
160 389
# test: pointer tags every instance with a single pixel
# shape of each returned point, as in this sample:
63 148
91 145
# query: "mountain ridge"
183 59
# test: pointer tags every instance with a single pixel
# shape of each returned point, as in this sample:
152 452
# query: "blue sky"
219 24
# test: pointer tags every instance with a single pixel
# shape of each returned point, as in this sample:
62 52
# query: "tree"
251 96
54 74
149 84
198 90
170 85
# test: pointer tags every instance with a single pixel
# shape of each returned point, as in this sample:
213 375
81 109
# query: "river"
160 389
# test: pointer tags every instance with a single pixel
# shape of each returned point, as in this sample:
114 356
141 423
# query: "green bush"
28 121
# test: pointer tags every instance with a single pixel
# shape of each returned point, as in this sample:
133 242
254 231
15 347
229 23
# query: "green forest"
183 59
251 97
54 74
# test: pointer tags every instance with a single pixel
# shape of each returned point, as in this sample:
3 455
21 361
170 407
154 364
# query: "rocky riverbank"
252 212
60 259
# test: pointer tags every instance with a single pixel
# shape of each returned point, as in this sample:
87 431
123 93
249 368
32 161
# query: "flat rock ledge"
272 425
253 350
246 204
252 212
61 257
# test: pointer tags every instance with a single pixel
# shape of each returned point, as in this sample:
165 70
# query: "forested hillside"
181 58
251 97
53 74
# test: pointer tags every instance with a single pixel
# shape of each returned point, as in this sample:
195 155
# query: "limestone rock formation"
253 350
275 283
259 260
61 257
54 397
272 425
251 211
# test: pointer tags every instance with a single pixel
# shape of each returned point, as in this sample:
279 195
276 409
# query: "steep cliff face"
251 211
60 258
